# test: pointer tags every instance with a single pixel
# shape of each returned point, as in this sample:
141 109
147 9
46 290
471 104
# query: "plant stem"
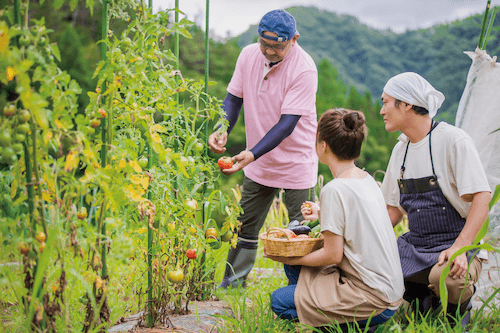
37 176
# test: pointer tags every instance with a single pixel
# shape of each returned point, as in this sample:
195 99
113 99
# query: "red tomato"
225 162
191 253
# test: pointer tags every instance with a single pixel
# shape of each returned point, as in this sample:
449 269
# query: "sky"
234 17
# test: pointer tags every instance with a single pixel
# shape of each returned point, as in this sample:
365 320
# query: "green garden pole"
17 12
150 232
177 52
150 250
104 271
207 68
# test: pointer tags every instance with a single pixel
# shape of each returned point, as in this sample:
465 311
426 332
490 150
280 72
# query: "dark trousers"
256 199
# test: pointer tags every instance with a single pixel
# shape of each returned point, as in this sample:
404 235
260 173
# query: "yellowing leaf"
89 154
134 194
141 230
158 128
58 123
142 180
48 135
122 164
4 37
11 73
47 196
156 137
137 168
71 161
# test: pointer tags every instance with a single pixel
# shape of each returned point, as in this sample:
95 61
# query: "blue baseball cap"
281 23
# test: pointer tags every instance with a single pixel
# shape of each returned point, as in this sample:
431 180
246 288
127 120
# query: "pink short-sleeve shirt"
289 87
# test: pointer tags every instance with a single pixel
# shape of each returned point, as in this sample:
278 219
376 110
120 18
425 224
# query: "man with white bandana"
436 178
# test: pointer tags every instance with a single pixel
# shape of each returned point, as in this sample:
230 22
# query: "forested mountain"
366 58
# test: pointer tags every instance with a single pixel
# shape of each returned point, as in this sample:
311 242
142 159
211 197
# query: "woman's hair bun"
353 121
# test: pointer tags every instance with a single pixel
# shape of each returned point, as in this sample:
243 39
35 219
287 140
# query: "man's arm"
395 215
232 105
276 135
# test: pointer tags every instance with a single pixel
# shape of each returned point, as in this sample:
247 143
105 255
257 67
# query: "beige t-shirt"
356 210
456 163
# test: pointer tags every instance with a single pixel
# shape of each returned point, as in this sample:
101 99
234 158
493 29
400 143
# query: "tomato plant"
136 112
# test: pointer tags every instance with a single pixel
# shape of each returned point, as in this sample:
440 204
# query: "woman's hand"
310 210
285 260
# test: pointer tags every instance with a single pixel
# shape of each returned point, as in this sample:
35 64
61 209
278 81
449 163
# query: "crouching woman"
357 274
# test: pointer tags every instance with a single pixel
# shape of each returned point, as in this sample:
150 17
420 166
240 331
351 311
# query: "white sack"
479 115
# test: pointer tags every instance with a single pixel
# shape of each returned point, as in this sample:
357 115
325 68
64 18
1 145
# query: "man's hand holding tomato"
240 161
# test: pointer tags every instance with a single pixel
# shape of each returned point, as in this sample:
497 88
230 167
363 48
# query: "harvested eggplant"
301 230
293 224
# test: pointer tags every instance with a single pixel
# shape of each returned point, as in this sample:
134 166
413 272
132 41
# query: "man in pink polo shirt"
276 81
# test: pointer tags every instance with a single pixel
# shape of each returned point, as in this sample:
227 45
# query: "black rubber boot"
463 314
419 296
240 261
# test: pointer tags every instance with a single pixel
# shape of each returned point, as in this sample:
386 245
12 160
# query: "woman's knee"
282 300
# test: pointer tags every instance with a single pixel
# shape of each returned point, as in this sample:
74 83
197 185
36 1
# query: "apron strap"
433 126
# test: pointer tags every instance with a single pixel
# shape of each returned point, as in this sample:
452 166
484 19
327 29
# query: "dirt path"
200 320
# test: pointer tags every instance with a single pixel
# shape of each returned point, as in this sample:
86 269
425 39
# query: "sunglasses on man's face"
276 48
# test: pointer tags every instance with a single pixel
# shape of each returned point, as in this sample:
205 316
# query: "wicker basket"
295 247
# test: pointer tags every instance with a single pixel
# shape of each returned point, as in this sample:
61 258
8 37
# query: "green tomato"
8 154
24 116
23 128
175 276
198 147
24 40
18 147
19 137
9 110
143 162
227 236
42 42
5 138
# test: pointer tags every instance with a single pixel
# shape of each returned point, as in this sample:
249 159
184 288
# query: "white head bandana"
414 89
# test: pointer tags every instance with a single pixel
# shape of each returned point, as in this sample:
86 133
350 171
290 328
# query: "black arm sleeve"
232 106
278 133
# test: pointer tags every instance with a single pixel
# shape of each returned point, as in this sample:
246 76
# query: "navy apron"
433 222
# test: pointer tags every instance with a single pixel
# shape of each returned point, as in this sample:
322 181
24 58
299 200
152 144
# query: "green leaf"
25 65
73 4
90 6
55 51
100 65
496 197
58 4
